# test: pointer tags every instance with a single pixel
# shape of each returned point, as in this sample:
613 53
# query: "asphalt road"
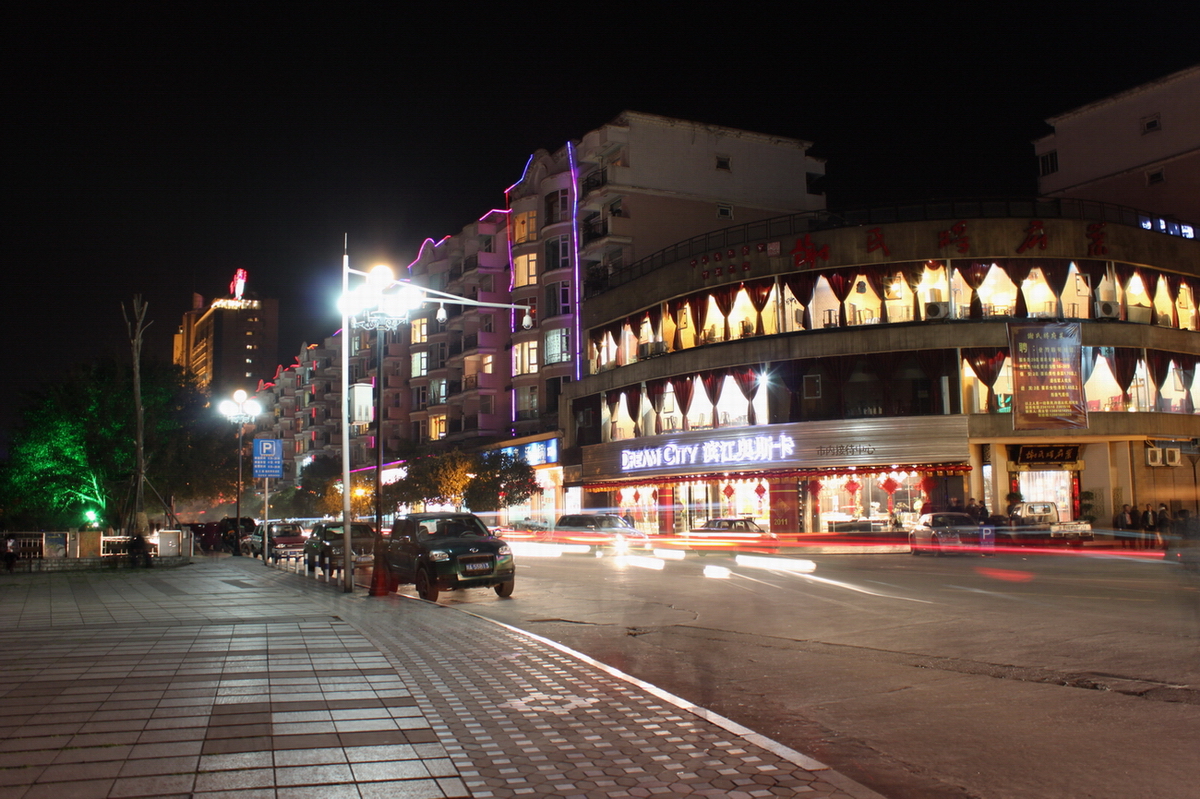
1066 674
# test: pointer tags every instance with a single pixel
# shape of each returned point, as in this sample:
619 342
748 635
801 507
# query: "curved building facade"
817 370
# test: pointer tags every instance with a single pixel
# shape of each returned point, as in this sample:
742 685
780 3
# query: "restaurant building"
819 370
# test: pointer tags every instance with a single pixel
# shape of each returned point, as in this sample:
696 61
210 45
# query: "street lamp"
382 303
240 410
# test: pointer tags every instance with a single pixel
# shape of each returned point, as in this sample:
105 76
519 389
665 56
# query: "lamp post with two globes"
240 410
381 303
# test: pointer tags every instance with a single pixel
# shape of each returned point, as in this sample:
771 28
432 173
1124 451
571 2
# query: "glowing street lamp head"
239 396
381 277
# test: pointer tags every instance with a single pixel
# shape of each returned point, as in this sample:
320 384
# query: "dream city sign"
740 450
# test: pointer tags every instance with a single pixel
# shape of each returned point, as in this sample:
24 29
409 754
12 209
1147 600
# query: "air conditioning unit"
644 350
1172 456
1107 309
1154 456
937 310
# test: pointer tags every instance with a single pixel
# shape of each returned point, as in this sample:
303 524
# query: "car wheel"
936 545
426 588
912 546
505 588
310 563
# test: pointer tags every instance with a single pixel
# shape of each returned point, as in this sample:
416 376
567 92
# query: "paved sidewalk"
228 678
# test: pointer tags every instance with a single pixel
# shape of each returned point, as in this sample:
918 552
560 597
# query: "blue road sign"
268 458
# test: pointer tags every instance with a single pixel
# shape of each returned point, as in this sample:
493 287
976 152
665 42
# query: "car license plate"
477 566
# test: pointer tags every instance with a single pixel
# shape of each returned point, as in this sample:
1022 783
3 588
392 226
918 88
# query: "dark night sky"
155 155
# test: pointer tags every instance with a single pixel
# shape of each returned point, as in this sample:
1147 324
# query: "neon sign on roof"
239 284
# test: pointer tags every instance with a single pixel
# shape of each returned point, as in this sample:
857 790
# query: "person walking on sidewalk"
1148 526
1126 524
10 552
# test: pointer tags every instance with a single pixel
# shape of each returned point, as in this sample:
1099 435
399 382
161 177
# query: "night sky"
156 155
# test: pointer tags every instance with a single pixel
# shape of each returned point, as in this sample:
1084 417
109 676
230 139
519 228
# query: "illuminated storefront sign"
744 449
536 453
807 445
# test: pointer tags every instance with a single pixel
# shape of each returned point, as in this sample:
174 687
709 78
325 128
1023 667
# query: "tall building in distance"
231 343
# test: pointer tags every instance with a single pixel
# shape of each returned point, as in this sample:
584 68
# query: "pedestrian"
10 552
1126 526
139 550
1163 523
1148 526
628 519
973 509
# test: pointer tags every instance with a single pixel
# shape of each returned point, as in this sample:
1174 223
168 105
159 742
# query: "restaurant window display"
856 502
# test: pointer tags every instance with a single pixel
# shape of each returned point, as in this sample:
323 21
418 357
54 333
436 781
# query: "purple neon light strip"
575 256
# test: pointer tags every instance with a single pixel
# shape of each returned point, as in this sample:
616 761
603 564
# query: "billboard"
1047 376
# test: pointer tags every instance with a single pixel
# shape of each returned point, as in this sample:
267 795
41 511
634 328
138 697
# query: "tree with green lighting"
74 452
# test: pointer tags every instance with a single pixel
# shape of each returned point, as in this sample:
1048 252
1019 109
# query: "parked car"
446 552
730 533
598 531
287 538
938 533
324 545
232 532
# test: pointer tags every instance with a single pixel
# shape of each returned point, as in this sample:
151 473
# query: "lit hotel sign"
740 450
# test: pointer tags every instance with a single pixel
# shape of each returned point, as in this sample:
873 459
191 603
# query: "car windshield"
356 530
452 527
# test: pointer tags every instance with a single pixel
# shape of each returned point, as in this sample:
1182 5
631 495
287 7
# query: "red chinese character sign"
1047 376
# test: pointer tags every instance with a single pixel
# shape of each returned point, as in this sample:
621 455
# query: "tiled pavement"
227 678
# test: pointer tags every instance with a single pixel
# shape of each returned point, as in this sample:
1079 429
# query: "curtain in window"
973 274
1088 362
682 386
759 293
1018 270
698 307
885 365
986 362
617 330
803 286
1125 274
1123 361
1186 363
1056 271
841 283
675 308
839 369
913 273
1158 367
746 378
877 277
1173 284
633 405
713 380
725 296
613 400
791 374
655 315
656 391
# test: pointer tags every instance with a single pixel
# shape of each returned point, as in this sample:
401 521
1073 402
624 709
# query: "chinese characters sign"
1046 375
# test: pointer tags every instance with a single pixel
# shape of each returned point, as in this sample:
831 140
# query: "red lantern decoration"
728 491
928 483
760 490
814 487
889 486
852 486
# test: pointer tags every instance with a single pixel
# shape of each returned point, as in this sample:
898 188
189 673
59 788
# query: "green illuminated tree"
74 448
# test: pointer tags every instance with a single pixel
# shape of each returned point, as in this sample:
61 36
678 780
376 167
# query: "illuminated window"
525 358
558 346
420 364
525 270
420 331
488 362
525 227
437 427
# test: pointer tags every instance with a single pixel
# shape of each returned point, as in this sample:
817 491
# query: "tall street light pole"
240 410
382 303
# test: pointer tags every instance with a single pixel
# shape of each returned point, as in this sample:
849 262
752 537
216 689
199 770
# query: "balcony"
594 181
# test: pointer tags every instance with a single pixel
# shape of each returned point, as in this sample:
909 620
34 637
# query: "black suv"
324 546
447 551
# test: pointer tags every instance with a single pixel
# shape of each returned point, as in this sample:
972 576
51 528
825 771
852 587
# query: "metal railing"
809 221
